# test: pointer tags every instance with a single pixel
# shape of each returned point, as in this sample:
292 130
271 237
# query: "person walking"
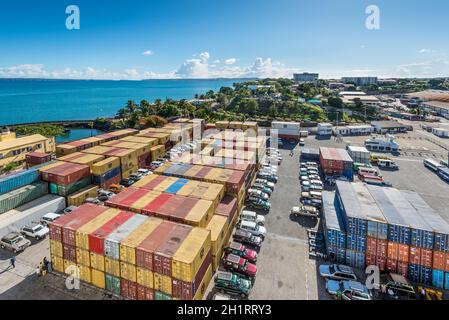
12 262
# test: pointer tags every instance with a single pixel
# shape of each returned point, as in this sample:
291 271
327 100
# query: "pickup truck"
305 211
14 242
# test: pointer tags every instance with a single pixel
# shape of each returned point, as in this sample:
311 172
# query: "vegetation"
45 130
9 167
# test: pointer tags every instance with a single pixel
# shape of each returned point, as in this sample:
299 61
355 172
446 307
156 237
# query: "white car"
253 228
317 182
144 172
304 178
36 231
49 218
258 194
253 217
269 184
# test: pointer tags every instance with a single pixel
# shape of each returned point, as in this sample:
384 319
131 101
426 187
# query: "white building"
324 129
360 81
306 77
371 101
286 130
355 130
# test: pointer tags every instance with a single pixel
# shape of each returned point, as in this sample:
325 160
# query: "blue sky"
226 38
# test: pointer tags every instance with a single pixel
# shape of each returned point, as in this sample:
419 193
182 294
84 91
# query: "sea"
38 100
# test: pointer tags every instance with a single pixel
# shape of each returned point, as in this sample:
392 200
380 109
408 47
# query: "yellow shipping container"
70 267
112 266
128 271
106 165
83 158
129 171
218 227
56 248
188 188
128 157
82 234
200 214
98 279
83 257
164 185
80 197
217 259
140 148
157 152
65 149
85 273
163 283
150 142
193 171
201 289
190 255
129 244
94 140
57 263
145 278
97 261
144 181
141 203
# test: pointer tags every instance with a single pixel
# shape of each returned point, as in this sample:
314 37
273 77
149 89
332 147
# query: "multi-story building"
306 77
360 81
16 149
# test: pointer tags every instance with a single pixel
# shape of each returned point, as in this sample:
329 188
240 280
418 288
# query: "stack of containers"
142 150
218 227
107 172
65 178
20 179
359 154
21 196
77 146
440 228
336 162
123 133
228 209
37 158
128 158
82 158
398 231
335 235
356 224
81 196
157 152
163 138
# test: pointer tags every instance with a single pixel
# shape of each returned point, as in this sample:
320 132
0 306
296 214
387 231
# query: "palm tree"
131 106
122 114
144 108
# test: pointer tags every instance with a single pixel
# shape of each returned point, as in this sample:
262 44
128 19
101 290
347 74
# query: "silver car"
14 242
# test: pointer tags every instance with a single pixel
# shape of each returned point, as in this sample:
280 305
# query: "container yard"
336 162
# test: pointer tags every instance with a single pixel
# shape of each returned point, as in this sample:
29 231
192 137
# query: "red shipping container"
177 208
144 293
381 262
382 249
163 256
153 183
153 207
371 248
126 202
235 182
439 260
393 249
402 268
96 238
370 259
415 255
115 202
392 265
116 180
185 290
35 158
69 252
403 252
107 137
203 172
128 289
426 258
146 249
65 173
227 207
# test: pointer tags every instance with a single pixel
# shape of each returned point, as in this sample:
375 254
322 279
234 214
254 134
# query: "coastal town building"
433 101
360 81
349 97
6 134
354 130
15 150
388 127
306 77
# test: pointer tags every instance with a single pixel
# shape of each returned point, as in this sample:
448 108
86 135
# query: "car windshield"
38 228
332 269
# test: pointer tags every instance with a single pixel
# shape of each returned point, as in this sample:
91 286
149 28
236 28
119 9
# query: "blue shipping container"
18 180
446 281
336 254
107 176
399 234
420 274
356 226
175 187
336 238
355 259
441 242
377 230
356 243
438 279
421 239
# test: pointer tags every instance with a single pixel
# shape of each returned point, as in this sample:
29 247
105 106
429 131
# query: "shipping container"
37 158
82 158
15 220
112 284
66 190
81 196
335 235
438 279
108 164
17 180
228 208
23 195
56 248
144 293
420 274
218 227
128 289
64 173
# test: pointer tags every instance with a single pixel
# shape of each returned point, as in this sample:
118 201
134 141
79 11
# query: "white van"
49 218
252 216
369 172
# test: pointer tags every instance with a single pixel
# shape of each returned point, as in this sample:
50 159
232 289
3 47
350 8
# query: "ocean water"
25 101
77 134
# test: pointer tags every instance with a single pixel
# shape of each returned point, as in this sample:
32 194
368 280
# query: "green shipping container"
65 191
113 284
21 196
161 296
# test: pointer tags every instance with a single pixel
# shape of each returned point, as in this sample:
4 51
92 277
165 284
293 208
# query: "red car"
240 250
240 265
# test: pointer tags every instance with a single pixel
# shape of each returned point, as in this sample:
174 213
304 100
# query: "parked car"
304 178
267 176
14 242
135 176
49 218
258 204
240 265
348 289
223 296
127 182
265 182
315 177
116 188
106 195
35 231
312 202
253 227
315 187
258 194
144 172
93 201
70 209
227 282
302 142
317 182
155 164
240 250
248 239
396 286
252 216
263 188
305 185
305 211
337 272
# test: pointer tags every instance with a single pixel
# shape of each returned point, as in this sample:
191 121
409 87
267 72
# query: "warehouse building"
388 127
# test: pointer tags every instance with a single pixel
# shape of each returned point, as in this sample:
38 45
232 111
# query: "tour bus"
432 164
443 173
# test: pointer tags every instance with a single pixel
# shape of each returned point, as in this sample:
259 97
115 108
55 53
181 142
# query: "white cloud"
147 53
230 61
425 51
430 68
217 61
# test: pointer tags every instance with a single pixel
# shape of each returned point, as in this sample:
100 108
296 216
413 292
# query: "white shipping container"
359 154
14 220
112 243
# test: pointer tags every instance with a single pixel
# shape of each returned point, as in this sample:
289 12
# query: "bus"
443 173
369 172
432 165
444 163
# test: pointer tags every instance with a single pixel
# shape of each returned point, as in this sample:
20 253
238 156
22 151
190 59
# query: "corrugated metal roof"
433 219
351 204
10 144
386 205
331 212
